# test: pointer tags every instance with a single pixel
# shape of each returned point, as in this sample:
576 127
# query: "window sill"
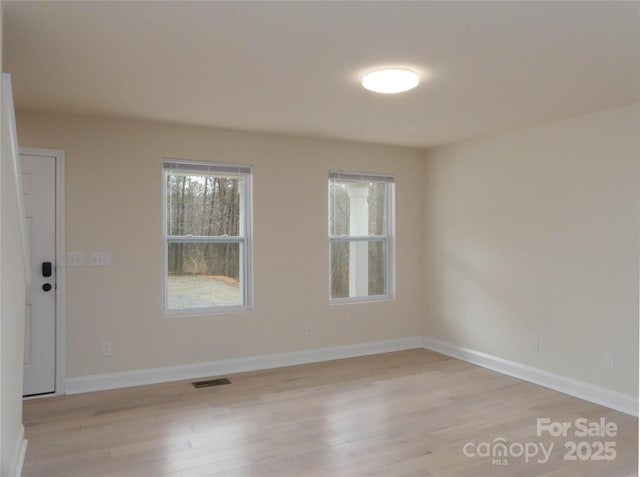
201 312
359 299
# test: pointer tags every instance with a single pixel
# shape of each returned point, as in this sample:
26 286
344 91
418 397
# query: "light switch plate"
75 259
100 259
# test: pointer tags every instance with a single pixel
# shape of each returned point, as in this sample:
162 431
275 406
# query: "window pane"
357 207
377 268
339 269
203 205
338 208
358 268
204 275
377 208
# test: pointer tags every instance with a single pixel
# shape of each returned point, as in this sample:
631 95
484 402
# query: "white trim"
9 117
589 392
125 379
208 167
354 300
361 176
61 259
18 457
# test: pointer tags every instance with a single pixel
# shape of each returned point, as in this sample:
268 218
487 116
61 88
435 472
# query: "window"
360 236
206 236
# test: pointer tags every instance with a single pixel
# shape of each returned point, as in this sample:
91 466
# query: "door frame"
61 262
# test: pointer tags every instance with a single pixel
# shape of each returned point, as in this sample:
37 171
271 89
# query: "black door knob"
46 286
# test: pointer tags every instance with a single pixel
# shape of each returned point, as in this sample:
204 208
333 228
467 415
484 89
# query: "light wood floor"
398 414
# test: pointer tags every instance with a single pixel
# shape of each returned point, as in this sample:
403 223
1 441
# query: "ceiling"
295 67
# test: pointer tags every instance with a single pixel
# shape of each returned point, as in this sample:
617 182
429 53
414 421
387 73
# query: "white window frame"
388 238
244 239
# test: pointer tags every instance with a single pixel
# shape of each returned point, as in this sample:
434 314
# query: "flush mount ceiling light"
390 80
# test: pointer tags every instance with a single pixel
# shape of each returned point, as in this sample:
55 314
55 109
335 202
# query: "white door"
39 187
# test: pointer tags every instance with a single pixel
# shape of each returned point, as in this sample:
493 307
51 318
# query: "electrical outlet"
534 344
308 329
107 349
609 360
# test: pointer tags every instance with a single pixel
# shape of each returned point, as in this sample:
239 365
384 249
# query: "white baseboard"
598 395
589 392
140 377
18 457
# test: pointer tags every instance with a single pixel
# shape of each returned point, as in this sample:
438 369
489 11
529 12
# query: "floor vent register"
210 383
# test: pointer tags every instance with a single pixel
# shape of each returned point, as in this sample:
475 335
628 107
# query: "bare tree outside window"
206 238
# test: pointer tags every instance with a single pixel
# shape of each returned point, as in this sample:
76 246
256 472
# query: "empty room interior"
319 238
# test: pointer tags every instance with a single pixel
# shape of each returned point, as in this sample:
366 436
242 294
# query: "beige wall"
535 234
113 196
528 234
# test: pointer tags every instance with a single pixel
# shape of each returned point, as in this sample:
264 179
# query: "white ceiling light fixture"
390 80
